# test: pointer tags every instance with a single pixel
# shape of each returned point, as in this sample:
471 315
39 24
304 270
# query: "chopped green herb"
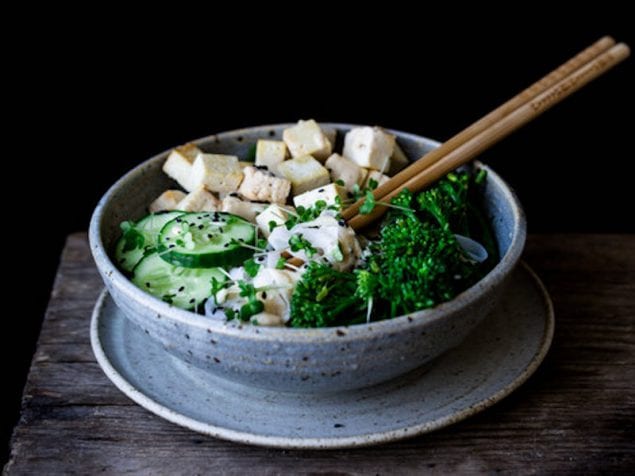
368 205
133 238
251 267
298 242
253 305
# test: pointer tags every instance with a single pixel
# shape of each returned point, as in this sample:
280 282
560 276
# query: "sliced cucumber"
186 288
206 240
140 238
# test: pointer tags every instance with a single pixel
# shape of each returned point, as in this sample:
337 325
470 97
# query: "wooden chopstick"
600 46
414 176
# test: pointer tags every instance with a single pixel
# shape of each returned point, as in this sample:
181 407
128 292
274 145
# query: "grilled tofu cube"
179 165
328 193
331 134
218 173
199 200
306 138
377 177
345 170
369 147
241 208
168 200
398 161
273 213
304 173
270 153
263 186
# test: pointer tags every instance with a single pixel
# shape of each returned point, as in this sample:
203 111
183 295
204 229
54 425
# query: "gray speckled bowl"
300 360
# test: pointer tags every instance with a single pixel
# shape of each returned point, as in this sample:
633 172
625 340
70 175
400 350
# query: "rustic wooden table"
576 414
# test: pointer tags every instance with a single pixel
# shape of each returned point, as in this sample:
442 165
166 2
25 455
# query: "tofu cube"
306 138
270 153
199 200
218 173
305 173
189 151
331 134
377 177
168 200
345 170
328 193
263 186
241 208
273 213
369 147
179 165
398 161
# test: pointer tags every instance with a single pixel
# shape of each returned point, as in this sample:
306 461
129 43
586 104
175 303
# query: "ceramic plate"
494 360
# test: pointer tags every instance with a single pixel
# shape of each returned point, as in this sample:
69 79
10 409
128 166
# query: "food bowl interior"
128 199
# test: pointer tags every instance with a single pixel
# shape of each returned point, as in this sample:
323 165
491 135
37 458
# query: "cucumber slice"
206 240
140 238
187 288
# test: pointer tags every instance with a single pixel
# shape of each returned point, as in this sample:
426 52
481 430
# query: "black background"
101 96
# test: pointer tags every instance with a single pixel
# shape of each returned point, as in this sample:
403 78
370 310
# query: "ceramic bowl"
300 360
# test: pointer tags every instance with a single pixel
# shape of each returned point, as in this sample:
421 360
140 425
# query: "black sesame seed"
181 289
220 228
192 301
233 194
200 227
225 245
167 238
178 220
210 236
264 294
262 167
321 190
341 223
171 246
260 259
147 285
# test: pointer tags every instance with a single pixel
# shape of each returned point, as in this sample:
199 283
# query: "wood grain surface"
575 415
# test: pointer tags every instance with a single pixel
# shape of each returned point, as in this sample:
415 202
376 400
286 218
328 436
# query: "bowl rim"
288 334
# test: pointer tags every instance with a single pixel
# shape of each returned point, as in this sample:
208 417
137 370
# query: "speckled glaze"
299 360
497 357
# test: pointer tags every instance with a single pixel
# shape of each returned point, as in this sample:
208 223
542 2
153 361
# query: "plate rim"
354 441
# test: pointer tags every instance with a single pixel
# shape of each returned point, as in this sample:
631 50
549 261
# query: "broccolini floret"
323 296
415 264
